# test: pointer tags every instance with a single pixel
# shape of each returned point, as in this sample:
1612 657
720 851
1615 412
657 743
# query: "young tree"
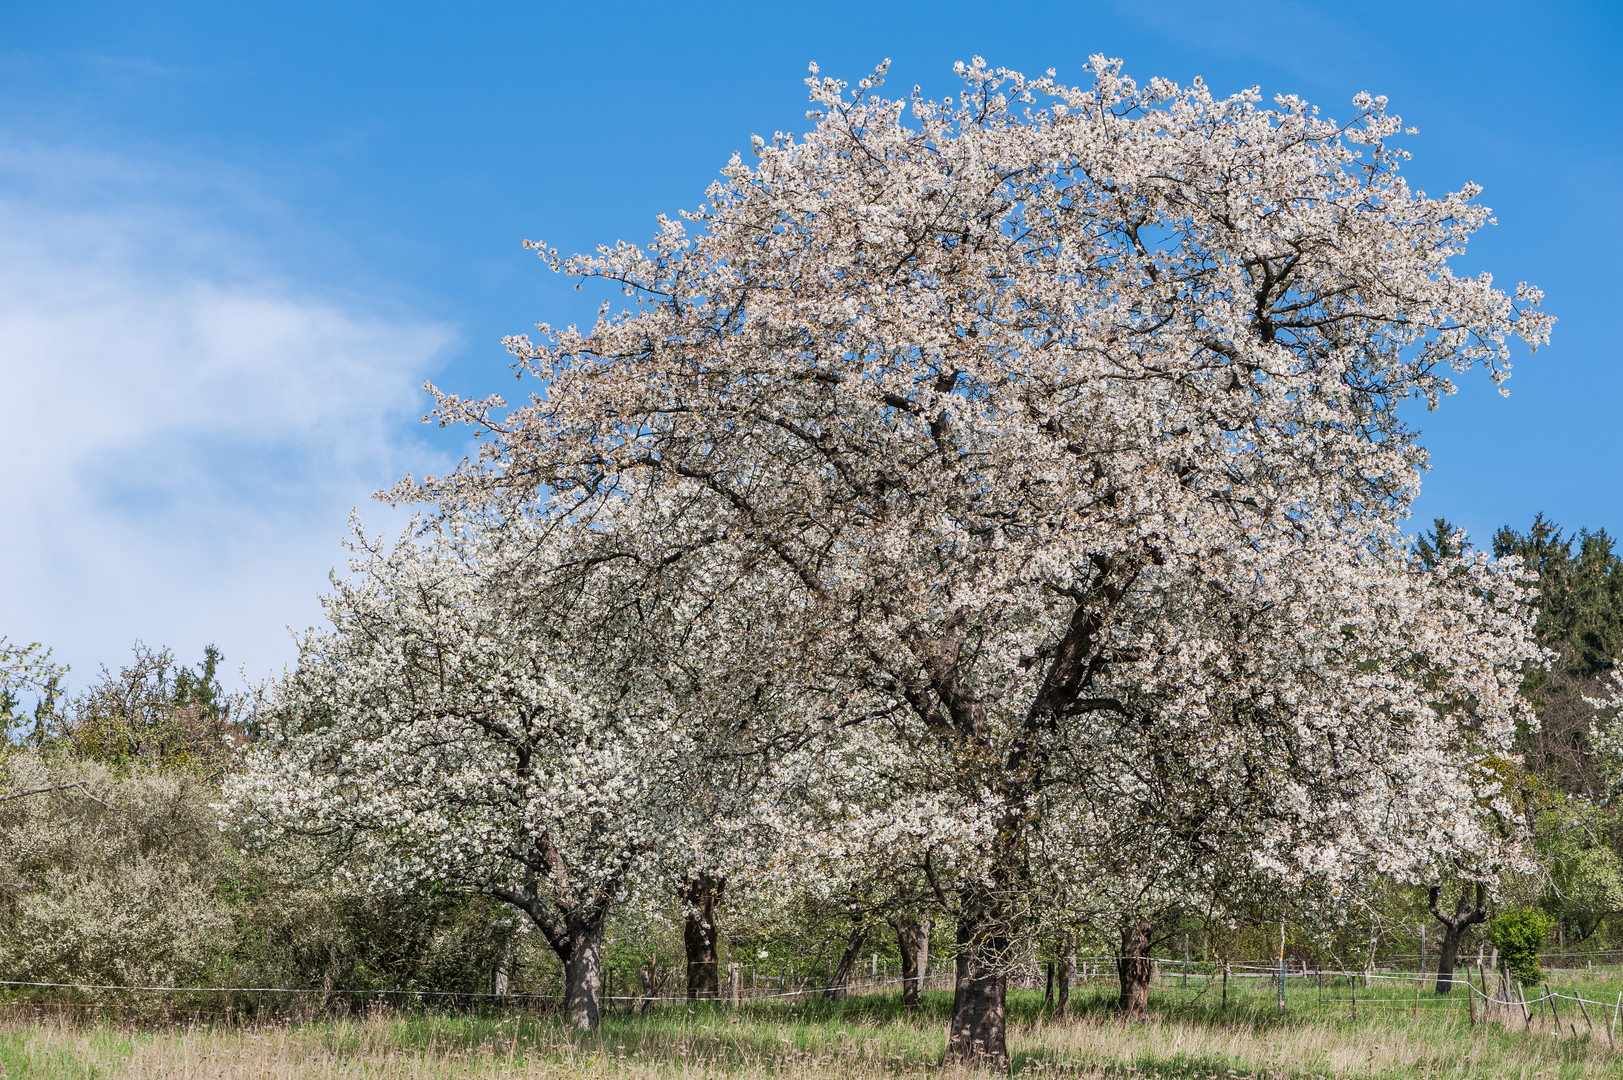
26 669
493 712
1071 414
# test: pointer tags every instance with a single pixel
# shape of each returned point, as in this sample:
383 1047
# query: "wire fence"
1488 996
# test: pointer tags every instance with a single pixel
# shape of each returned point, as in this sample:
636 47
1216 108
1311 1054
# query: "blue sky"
237 237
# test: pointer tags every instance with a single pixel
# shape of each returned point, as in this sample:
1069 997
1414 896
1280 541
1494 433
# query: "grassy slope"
866 1036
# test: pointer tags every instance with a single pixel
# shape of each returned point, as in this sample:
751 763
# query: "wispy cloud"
184 428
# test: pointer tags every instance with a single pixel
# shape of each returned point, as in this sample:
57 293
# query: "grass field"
1190 1037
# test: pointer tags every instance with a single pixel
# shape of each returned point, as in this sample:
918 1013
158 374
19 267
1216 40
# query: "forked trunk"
1454 927
577 939
700 898
841 979
1134 968
583 976
913 942
978 1033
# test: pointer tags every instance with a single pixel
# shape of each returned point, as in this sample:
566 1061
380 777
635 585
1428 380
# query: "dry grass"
858 1039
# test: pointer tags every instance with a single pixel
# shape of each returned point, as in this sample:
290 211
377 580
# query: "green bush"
124 877
1518 935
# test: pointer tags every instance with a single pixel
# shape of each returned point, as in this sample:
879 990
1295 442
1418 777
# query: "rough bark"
1134 969
978 1034
576 936
1454 927
700 898
841 979
913 942
583 977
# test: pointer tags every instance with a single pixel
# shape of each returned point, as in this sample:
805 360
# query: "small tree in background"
152 713
502 709
26 669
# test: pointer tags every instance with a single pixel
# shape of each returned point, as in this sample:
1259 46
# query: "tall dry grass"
809 1042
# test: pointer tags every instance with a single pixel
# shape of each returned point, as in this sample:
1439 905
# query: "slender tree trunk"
1067 976
645 983
913 942
1134 969
1048 993
501 963
583 975
1454 927
700 898
978 1032
841 979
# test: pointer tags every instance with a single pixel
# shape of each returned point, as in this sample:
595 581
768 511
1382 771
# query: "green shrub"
1518 935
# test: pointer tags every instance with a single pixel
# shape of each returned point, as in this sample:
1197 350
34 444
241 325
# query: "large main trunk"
1134 969
577 939
1449 958
699 934
978 1033
913 941
583 975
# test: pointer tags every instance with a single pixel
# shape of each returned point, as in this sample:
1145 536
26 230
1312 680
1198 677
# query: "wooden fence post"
1282 970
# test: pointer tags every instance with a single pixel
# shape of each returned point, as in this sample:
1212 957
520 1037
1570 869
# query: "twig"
80 784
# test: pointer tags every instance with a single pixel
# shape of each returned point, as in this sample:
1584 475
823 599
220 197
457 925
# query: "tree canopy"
1057 429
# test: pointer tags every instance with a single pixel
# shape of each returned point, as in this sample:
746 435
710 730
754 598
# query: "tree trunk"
1454 927
501 963
645 983
1067 976
1134 970
913 942
577 938
841 978
978 1032
700 899
1048 993
583 975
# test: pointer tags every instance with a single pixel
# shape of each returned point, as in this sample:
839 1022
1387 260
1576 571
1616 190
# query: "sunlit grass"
1191 1036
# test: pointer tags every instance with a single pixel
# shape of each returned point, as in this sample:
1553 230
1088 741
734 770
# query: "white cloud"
183 430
